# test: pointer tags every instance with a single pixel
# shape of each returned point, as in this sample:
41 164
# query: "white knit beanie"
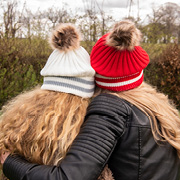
68 68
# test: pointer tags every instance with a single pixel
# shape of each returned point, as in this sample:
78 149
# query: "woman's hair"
41 125
164 117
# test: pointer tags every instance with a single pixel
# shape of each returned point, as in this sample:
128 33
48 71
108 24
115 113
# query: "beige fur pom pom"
65 37
124 36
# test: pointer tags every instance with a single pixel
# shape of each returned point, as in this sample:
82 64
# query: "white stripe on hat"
119 83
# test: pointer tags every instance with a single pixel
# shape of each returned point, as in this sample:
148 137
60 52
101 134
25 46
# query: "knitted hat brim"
119 84
80 86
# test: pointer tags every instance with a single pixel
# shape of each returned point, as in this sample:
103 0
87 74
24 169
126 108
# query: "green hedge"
164 73
22 59
20 64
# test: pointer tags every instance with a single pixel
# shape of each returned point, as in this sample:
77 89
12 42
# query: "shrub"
20 63
153 50
22 59
164 73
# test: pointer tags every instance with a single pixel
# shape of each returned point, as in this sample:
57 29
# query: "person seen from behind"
41 124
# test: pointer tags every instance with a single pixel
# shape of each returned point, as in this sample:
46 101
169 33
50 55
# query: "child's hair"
41 125
160 111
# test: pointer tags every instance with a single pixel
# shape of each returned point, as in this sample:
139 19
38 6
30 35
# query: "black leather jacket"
114 132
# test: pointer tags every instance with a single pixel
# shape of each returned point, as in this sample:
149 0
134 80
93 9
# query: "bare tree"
39 24
91 15
98 20
169 13
11 18
27 21
56 15
167 17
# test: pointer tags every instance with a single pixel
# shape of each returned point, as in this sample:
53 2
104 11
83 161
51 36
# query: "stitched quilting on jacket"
114 132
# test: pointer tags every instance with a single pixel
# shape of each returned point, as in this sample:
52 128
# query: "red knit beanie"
118 59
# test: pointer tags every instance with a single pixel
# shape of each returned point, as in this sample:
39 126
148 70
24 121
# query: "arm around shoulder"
104 124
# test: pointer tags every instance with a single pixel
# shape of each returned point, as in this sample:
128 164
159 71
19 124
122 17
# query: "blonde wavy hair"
160 110
41 125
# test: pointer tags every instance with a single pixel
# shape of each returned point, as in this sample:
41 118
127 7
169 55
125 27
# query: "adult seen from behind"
128 125
42 123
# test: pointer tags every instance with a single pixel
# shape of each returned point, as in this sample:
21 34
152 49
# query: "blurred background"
25 27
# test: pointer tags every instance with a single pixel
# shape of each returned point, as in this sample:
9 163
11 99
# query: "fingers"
3 156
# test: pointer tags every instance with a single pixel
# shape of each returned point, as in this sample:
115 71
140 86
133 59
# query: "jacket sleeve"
104 125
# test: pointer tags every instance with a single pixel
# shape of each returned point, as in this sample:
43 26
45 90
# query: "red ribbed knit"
126 66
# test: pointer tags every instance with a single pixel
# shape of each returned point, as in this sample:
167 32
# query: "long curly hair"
41 125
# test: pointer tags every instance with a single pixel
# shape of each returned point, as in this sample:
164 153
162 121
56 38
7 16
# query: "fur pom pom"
124 36
65 37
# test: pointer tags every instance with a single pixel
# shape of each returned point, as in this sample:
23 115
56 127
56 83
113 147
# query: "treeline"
24 47
163 26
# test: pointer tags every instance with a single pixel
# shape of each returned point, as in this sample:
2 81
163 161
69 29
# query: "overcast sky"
117 8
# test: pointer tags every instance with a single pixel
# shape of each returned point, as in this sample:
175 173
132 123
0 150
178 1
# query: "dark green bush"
164 73
20 63
22 59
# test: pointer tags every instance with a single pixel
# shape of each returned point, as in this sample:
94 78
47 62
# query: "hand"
3 157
